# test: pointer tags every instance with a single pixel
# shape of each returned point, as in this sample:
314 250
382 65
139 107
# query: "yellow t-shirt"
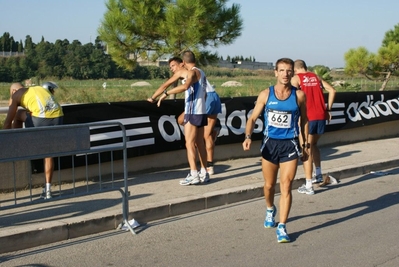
41 103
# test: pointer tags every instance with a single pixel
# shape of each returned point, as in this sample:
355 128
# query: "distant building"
11 54
248 65
158 63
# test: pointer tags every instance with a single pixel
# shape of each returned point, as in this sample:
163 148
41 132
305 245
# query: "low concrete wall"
373 132
174 159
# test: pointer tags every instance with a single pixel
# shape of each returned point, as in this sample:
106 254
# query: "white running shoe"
210 170
190 180
304 190
46 194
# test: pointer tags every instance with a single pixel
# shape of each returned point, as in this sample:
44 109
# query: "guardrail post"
125 193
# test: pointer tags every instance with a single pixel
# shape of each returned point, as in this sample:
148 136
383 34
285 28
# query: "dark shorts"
28 121
280 150
32 121
213 104
196 120
317 127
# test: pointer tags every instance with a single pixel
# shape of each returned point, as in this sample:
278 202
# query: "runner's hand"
305 154
163 96
246 145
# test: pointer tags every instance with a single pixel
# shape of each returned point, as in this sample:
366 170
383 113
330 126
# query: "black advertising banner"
357 109
150 129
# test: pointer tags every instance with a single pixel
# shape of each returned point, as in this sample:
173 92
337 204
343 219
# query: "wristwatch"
307 145
248 136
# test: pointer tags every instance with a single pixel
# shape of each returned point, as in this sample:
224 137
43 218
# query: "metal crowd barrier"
29 144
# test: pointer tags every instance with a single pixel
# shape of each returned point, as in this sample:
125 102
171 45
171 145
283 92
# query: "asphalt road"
354 223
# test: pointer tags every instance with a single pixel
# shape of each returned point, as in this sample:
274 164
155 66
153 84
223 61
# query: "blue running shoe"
316 179
269 220
282 236
204 177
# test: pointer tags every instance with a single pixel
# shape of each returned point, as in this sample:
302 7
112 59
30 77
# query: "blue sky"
319 32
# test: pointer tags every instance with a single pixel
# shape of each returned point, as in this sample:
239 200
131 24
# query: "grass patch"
92 91
2 119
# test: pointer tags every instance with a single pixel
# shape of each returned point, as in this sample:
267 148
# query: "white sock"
318 171
203 170
48 186
194 172
308 183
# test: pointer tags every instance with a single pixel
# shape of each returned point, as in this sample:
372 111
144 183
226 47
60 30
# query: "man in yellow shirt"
43 110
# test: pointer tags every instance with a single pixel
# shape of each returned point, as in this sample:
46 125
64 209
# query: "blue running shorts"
213 103
317 127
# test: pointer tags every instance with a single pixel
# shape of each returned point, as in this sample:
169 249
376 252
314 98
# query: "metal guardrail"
59 141
3 110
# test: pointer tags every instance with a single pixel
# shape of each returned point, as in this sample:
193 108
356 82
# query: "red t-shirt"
313 88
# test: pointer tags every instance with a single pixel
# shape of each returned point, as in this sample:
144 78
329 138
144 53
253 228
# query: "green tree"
27 67
391 36
380 66
5 42
206 58
102 64
29 45
30 61
20 47
5 74
323 72
46 58
72 60
59 52
16 71
13 45
99 44
148 29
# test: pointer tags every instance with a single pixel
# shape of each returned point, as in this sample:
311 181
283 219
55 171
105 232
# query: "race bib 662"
279 119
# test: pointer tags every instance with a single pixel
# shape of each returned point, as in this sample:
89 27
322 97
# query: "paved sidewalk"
158 195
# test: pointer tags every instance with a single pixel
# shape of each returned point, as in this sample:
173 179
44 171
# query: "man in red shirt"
317 113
